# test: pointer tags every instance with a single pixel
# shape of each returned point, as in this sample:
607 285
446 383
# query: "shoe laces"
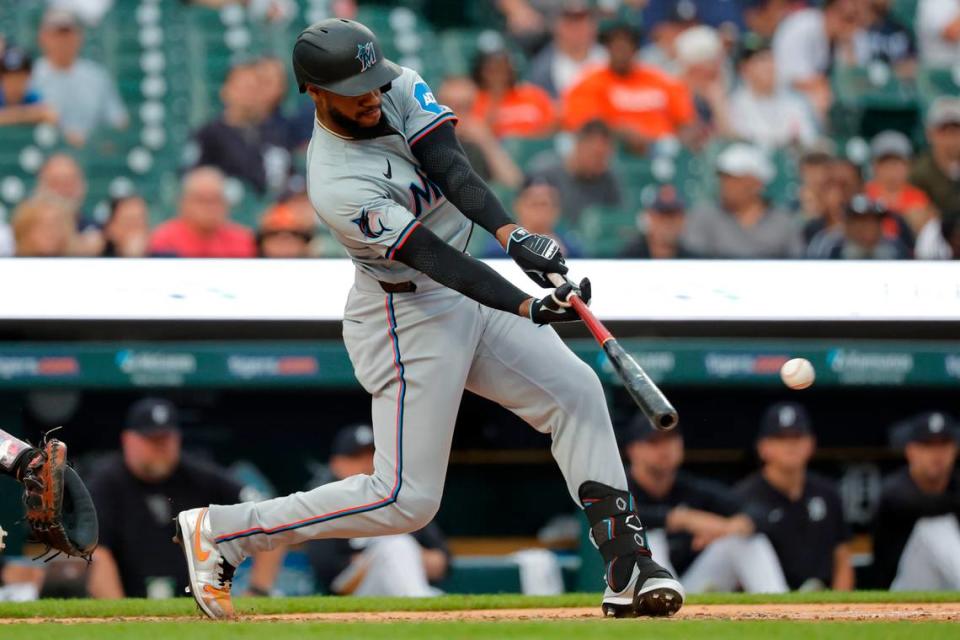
225 574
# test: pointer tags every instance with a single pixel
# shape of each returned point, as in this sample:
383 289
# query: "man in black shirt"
399 565
916 538
696 527
799 511
663 224
137 493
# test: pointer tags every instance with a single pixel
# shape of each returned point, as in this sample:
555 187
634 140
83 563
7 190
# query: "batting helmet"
341 56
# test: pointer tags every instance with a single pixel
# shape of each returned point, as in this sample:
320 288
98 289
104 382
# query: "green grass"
186 606
581 630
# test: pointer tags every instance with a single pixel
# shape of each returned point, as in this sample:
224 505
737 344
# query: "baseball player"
423 322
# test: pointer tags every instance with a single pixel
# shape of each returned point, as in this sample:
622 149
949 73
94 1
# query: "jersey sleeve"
368 220
419 108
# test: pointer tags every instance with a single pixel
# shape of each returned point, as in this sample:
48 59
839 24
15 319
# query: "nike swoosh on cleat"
197 549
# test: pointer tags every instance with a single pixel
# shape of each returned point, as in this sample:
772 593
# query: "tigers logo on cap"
367 56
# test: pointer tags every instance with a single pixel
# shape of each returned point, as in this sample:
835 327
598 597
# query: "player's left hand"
536 254
556 307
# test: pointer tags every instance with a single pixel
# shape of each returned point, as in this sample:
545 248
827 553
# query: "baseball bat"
638 384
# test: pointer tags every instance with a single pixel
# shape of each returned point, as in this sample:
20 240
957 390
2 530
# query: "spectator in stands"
814 171
511 109
937 172
861 237
844 180
283 130
719 15
240 142
938 30
890 41
809 42
127 229
572 50
20 104
43 228
583 177
697 529
202 228
80 91
800 512
138 492
537 208
916 537
702 61
284 234
662 225
487 156
675 17
891 152
398 565
640 103
62 177
744 225
765 113
764 16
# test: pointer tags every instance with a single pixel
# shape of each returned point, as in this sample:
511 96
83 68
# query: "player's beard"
354 130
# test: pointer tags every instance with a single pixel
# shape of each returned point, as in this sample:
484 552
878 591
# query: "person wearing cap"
537 207
916 537
662 224
937 172
396 565
764 112
696 527
844 180
19 103
891 153
810 42
584 177
240 141
81 91
284 234
890 41
861 237
816 159
799 511
938 31
742 224
640 103
572 50
137 492
512 109
702 59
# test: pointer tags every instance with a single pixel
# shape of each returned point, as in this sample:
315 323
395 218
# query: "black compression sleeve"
430 255
446 163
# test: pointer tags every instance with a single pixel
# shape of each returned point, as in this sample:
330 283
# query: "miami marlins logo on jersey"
367 221
425 192
367 56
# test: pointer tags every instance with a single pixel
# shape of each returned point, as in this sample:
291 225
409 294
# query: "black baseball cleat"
651 592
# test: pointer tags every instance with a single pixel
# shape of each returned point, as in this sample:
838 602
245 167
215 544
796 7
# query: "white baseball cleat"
657 594
211 576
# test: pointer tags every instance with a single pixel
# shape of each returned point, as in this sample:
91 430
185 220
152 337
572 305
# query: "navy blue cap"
15 59
153 415
352 440
785 419
668 200
930 426
861 206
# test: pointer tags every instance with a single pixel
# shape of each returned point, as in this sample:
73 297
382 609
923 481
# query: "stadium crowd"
747 89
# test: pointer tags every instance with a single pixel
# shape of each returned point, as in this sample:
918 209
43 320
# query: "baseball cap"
930 426
785 419
352 440
860 205
15 59
820 151
59 19
668 200
152 415
745 160
640 429
944 111
890 144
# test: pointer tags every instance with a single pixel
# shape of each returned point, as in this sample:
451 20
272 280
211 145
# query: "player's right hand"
536 254
556 307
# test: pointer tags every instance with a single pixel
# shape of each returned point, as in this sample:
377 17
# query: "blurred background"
627 129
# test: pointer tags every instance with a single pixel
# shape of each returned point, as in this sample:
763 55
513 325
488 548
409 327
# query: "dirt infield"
927 612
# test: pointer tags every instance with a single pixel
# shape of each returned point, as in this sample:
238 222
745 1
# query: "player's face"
350 112
660 454
151 458
789 453
931 461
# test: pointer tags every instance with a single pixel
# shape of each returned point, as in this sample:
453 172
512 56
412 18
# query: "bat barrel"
644 392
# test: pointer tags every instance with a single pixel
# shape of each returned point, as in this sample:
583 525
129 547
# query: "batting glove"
556 307
536 254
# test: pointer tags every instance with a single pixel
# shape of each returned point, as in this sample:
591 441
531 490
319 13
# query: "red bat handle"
599 331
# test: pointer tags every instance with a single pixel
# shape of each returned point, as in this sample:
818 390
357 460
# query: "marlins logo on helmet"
367 56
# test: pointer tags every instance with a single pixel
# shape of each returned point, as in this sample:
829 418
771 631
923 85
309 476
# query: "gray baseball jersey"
371 193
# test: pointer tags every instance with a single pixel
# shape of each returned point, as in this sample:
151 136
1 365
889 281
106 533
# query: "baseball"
797 373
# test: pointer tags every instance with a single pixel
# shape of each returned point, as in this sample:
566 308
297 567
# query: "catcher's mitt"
60 511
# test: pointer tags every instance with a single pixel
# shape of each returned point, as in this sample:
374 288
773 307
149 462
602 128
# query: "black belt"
398 287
